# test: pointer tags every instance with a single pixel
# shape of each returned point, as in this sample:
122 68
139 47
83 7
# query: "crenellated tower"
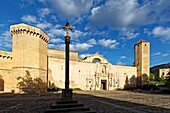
29 51
142 61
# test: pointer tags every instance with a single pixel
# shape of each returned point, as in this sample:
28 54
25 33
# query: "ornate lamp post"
67 93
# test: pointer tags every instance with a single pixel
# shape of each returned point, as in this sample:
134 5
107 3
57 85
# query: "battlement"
5 54
28 29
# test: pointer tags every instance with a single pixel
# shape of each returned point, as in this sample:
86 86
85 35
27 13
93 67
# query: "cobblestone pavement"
99 101
126 102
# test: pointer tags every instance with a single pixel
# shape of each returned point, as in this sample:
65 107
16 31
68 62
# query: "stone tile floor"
99 101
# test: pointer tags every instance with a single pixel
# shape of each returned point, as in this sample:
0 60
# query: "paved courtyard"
99 101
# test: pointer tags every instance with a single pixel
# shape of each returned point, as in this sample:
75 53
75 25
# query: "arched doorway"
1 84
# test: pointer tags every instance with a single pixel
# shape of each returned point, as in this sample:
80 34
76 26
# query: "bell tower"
142 61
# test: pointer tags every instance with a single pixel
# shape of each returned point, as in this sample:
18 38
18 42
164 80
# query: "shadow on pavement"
106 105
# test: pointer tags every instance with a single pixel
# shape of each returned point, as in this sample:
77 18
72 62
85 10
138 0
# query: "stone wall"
164 72
61 54
79 72
124 75
6 69
83 74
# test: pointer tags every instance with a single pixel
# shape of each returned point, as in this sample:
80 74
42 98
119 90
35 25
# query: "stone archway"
1 84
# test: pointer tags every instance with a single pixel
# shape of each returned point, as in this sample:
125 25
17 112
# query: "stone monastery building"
30 53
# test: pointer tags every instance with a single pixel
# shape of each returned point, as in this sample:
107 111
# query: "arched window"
163 73
96 60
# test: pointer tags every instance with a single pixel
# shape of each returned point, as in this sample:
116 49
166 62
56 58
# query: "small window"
145 44
96 60
163 73
89 81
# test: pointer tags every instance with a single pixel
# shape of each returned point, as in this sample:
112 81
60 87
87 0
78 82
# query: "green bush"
77 89
29 85
167 79
154 82
53 88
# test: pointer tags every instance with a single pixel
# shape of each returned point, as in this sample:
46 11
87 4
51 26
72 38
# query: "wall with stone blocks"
6 69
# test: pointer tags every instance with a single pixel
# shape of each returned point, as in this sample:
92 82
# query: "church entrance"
104 84
1 84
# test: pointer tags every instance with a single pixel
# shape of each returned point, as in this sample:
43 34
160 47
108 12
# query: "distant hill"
155 69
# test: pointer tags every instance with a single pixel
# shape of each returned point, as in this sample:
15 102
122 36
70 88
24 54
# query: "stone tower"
142 61
29 51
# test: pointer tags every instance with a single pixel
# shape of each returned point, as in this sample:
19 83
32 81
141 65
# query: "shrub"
29 85
77 89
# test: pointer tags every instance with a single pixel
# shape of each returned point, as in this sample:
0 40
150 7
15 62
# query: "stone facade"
164 72
30 53
142 61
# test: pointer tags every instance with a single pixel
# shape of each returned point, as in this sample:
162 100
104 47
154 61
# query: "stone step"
72 105
66 101
83 112
80 109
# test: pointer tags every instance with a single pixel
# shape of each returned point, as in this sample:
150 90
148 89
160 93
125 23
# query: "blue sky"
109 27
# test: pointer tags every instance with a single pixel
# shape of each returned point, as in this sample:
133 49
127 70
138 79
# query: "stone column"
67 92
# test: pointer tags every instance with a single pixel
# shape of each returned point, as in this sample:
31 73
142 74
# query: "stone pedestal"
67 94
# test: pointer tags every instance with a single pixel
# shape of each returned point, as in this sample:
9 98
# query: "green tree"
29 85
167 79
152 76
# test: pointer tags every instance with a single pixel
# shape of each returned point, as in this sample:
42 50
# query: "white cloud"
82 56
92 41
56 40
57 46
122 57
127 35
108 43
43 12
165 54
98 33
160 54
5 40
120 63
70 8
57 32
29 18
95 10
54 18
129 13
146 31
44 25
80 47
114 13
162 32
76 34
156 54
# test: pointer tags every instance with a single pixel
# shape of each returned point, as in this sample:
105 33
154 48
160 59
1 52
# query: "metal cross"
67 27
